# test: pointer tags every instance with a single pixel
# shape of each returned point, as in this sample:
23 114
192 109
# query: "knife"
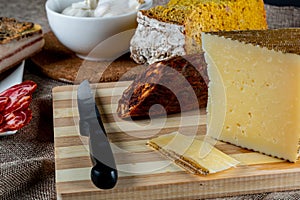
104 173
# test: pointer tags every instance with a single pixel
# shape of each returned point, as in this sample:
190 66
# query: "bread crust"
11 29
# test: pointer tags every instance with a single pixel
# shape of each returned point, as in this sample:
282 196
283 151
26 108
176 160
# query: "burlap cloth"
27 158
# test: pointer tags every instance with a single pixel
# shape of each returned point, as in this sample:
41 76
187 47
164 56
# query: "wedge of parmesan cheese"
185 151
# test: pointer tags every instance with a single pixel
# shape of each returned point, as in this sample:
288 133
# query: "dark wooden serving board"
59 63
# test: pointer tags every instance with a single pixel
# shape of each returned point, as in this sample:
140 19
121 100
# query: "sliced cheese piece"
254 89
254 158
185 152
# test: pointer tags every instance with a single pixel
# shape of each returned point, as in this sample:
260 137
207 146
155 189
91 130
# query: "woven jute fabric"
281 17
27 165
27 169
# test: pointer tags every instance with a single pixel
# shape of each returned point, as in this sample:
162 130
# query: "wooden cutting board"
144 173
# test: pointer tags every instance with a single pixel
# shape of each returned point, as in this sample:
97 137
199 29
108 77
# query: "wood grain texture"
60 63
143 173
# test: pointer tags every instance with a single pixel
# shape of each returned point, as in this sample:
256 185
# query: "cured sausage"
14 106
16 120
3 102
177 84
1 119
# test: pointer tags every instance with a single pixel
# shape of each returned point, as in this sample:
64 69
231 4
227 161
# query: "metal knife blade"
104 172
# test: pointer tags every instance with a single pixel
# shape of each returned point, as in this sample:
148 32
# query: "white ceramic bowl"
92 38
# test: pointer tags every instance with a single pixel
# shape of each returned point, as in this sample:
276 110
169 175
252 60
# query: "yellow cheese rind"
261 92
185 151
199 16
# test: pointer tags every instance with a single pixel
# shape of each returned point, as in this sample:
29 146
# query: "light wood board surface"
144 173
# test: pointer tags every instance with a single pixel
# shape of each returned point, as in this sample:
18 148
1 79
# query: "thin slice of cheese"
254 89
254 158
185 152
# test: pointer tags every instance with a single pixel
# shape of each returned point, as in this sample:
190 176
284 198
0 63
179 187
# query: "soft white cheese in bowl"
95 30
102 8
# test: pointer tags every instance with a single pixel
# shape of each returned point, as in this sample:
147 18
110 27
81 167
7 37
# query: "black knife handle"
103 176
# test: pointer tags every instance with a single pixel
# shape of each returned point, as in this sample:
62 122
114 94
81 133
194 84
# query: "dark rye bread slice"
18 41
177 84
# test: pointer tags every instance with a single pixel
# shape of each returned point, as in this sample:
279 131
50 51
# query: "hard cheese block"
254 89
175 28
